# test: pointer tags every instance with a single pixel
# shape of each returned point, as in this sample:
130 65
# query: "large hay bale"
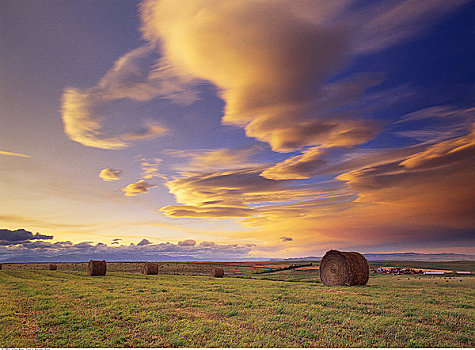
149 268
217 272
53 266
96 268
344 269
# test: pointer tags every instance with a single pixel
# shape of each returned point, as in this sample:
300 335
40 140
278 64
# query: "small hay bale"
149 268
53 266
344 269
96 268
217 272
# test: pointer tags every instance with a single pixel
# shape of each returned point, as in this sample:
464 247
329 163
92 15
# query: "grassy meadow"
184 307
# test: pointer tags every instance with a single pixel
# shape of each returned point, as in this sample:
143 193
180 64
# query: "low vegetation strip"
42 308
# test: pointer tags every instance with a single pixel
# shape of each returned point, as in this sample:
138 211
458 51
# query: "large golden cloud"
269 60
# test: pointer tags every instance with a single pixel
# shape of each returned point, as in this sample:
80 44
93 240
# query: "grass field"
67 308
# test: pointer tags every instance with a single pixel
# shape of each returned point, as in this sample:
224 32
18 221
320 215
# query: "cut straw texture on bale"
96 268
344 269
149 268
217 272
53 266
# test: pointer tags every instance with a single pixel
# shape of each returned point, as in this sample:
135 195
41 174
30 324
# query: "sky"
233 130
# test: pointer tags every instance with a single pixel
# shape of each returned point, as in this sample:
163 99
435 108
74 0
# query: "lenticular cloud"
269 61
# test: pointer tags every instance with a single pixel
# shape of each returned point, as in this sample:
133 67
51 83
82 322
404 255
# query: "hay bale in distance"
149 268
96 268
217 272
344 269
53 266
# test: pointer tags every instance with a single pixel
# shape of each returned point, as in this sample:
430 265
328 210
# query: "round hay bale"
344 269
96 268
149 268
217 272
53 266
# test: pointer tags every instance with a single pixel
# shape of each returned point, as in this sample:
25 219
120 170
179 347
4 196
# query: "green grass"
66 308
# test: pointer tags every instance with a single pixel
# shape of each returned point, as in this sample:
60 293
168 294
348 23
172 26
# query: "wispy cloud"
302 166
390 23
136 76
444 153
151 168
6 153
83 124
201 160
441 123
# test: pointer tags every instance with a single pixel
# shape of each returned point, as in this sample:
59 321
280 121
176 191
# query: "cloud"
109 174
442 123
236 193
391 23
137 188
144 242
207 244
400 198
83 121
6 153
276 65
140 75
444 153
8 237
444 133
302 166
187 243
270 62
136 76
150 168
67 251
226 189
430 187
215 159
190 211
